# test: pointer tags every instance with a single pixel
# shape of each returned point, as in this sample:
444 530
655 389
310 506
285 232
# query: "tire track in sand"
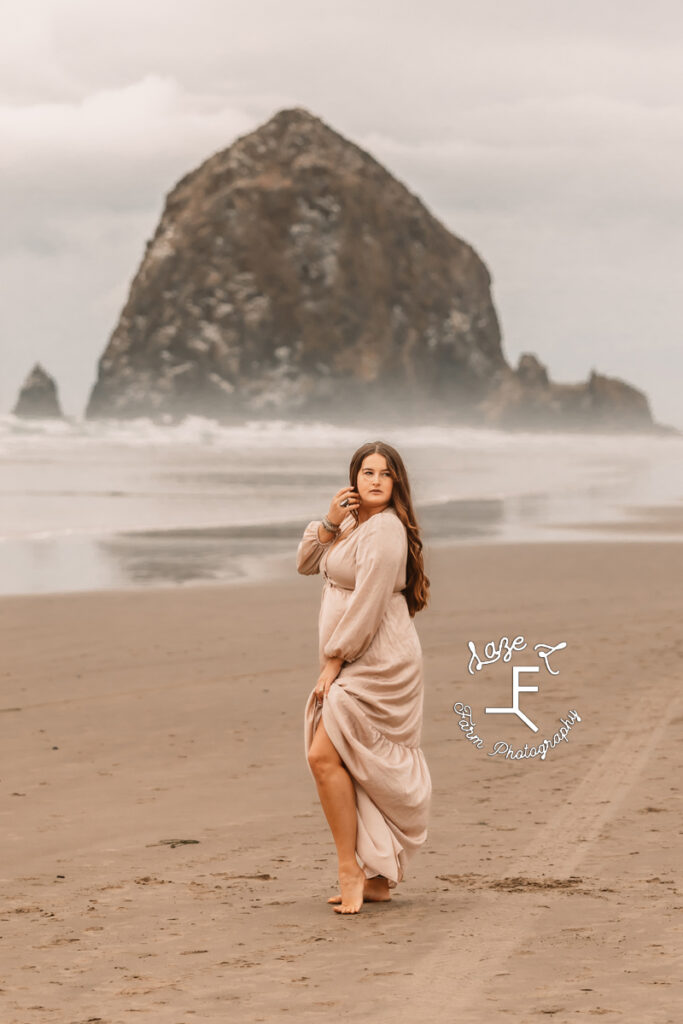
456 972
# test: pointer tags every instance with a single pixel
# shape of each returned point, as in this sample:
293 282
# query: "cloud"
567 156
114 151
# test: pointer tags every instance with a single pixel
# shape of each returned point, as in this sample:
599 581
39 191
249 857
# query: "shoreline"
279 564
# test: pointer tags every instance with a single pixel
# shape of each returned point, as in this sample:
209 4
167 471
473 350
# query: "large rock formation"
292 275
526 398
38 396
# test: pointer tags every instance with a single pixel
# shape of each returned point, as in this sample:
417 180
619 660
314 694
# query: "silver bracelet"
330 527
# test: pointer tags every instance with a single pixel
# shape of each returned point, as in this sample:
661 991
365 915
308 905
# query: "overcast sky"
547 134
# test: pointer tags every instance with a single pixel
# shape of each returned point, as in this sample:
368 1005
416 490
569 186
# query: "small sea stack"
38 397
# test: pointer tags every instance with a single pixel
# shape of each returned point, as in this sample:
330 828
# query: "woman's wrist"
330 535
329 526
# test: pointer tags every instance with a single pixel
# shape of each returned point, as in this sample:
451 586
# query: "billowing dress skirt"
373 711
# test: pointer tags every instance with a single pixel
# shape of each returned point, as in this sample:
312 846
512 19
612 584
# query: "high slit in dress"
373 711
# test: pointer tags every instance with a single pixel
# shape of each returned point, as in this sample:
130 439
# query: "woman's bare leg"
338 799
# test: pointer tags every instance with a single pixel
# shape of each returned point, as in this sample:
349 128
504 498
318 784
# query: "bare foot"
351 884
375 890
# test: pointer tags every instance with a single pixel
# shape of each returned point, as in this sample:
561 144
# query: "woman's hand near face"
337 511
327 677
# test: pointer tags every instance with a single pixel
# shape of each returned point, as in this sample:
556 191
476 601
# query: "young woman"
363 719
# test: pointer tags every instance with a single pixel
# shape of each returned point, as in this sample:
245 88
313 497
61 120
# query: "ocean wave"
267 434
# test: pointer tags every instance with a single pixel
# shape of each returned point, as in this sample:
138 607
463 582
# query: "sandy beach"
165 856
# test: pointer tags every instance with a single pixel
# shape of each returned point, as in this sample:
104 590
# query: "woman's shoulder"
387 521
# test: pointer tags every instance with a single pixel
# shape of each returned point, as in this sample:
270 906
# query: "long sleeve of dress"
311 550
381 560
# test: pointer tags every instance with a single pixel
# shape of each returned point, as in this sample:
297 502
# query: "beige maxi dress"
373 711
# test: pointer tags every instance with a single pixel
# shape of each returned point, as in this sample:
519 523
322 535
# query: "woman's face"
374 483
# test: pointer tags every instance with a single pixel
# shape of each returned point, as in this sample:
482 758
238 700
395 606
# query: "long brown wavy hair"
416 590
